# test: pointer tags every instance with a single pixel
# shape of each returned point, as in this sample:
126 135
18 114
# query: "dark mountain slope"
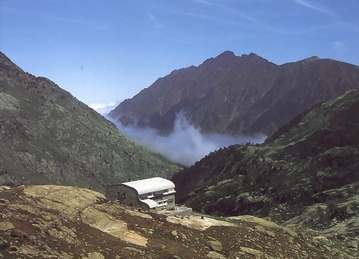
298 87
307 173
211 94
238 94
48 136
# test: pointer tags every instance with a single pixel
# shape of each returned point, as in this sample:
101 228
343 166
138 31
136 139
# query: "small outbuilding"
151 193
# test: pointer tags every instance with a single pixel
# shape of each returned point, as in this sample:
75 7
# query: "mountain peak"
4 59
252 56
312 58
6 62
226 54
229 57
225 58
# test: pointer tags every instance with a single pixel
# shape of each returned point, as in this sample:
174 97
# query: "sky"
105 51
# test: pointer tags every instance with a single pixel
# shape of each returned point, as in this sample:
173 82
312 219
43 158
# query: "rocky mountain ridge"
48 136
238 94
305 175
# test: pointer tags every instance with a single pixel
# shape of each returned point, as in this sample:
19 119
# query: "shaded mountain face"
69 222
48 136
238 94
306 174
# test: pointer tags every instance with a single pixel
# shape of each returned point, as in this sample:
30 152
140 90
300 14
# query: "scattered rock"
354 244
133 249
13 249
16 233
263 223
3 201
5 226
174 233
258 254
215 255
65 234
321 240
263 230
183 236
215 245
95 255
198 222
112 226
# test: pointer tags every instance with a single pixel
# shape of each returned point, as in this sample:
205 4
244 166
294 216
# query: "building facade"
152 193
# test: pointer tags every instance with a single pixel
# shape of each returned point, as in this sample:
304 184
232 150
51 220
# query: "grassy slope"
48 136
306 174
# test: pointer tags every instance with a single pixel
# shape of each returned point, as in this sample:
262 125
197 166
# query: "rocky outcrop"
305 175
238 94
48 136
70 222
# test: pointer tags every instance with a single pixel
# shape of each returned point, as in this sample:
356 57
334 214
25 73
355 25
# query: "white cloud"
226 8
55 18
318 8
204 2
186 144
103 108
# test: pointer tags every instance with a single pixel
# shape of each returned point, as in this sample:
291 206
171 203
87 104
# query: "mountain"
238 94
68 222
48 136
306 174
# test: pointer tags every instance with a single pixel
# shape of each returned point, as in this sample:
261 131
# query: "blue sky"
106 51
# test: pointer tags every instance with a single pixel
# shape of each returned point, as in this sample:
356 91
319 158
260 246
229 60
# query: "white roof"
150 185
151 203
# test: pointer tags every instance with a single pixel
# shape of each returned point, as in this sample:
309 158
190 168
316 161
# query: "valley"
58 156
192 129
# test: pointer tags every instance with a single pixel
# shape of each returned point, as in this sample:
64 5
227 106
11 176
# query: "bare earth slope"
48 136
238 94
306 174
68 222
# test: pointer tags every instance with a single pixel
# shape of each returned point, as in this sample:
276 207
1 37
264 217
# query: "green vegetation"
48 136
305 175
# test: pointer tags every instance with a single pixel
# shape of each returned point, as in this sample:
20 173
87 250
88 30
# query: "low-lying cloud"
186 144
103 108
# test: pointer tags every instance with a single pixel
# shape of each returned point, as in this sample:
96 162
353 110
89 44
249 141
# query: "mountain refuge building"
151 193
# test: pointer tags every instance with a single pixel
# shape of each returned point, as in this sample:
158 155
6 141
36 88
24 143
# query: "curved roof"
150 185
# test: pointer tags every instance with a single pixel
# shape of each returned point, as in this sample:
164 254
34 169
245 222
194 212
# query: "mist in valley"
186 144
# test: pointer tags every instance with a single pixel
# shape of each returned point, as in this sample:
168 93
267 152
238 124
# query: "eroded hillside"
306 175
69 222
48 136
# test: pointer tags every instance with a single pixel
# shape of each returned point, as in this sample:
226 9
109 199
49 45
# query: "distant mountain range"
306 174
238 94
48 136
